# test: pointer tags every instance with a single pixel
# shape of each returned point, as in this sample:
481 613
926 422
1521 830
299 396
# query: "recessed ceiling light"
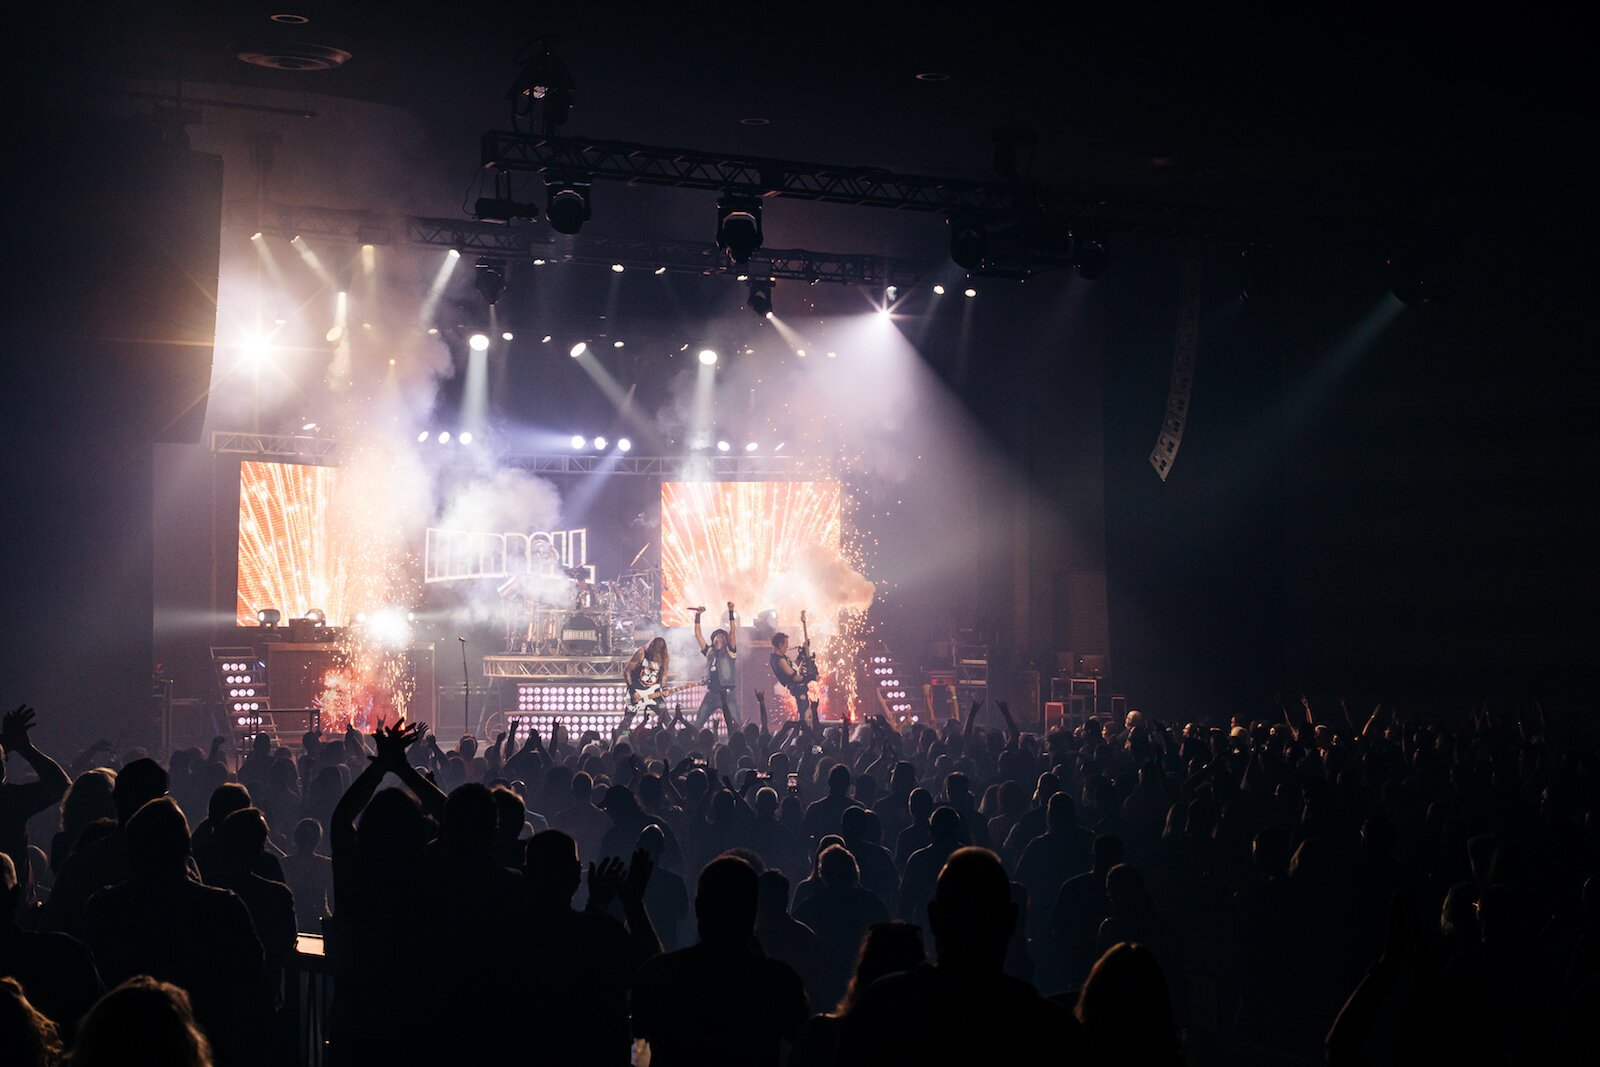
933 76
755 120
293 20
281 56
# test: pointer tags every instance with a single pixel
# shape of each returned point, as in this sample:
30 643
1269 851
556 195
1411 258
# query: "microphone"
463 640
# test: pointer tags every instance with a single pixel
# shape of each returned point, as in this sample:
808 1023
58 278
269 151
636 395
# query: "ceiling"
1385 116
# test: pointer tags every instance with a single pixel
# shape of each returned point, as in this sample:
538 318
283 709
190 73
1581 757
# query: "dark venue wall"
1372 500
106 345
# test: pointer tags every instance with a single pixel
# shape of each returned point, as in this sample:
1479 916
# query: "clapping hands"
391 743
610 880
15 726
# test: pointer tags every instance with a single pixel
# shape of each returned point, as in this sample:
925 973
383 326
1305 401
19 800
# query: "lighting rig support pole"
466 711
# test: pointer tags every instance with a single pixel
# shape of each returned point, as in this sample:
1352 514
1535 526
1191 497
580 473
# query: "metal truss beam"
680 168
556 668
517 242
295 448
671 468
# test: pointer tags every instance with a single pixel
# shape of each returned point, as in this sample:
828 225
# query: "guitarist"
645 673
796 677
720 653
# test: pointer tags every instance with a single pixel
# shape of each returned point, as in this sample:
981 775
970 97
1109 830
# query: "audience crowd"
1309 886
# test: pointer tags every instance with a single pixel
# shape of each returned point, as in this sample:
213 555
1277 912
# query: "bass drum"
583 635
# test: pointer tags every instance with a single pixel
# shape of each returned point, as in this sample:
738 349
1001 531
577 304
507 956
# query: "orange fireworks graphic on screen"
724 541
286 558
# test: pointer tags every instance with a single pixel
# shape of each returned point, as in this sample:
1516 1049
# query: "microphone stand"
466 713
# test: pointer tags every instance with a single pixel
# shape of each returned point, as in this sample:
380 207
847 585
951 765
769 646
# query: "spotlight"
578 441
465 437
506 336
479 342
969 239
500 209
624 445
490 279
578 349
617 268
423 436
317 616
568 205
599 444
1407 281
890 293
708 357
444 437
738 227
661 270
1089 257
454 253
761 297
969 292
723 446
269 617
750 446
938 290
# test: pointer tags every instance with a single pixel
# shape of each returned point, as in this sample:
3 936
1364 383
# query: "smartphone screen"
794 781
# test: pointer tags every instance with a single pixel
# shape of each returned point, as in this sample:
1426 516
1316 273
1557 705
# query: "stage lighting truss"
739 226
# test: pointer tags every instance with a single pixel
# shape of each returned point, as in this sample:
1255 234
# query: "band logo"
466 555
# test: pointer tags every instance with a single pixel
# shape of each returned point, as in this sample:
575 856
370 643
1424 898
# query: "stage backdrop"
755 543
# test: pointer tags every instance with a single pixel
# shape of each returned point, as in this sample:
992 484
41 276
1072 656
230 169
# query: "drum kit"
568 615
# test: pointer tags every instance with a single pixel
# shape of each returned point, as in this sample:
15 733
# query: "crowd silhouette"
1294 888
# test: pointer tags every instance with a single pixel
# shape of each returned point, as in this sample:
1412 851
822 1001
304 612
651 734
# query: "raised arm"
53 781
699 638
733 629
972 720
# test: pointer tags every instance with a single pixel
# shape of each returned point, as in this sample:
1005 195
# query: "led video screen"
287 561
745 542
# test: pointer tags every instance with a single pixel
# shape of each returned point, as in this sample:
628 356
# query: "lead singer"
719 652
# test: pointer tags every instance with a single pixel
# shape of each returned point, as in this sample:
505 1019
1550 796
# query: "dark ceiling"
1382 115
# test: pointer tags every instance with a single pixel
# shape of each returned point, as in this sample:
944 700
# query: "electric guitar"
805 662
643 698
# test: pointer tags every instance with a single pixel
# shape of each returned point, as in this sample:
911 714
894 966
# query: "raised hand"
391 743
631 888
15 726
605 881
